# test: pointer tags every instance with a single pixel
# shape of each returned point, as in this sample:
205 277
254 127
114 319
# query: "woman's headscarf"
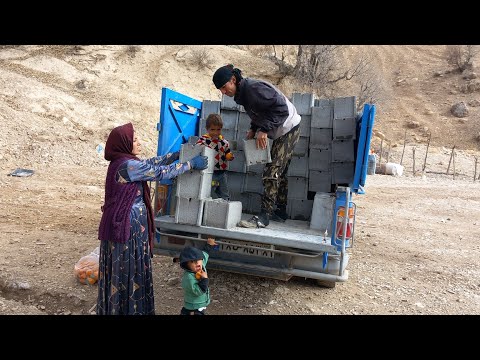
120 143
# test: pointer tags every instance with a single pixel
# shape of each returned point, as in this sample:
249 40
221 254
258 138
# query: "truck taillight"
339 225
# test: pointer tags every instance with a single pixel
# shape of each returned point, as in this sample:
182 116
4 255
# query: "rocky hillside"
57 103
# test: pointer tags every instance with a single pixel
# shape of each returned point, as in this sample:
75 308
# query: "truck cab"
329 166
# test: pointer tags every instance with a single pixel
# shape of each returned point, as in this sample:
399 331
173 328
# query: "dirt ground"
416 251
416 247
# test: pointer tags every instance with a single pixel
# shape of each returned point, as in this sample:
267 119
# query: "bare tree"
461 56
319 67
372 87
324 69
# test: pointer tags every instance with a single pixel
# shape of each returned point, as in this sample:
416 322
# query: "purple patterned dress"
125 285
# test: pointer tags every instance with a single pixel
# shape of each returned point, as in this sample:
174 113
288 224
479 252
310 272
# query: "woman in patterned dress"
126 230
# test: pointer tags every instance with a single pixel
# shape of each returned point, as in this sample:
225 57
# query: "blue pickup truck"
329 166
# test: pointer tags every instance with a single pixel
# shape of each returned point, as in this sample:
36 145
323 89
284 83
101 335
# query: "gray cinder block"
322 212
320 181
228 103
256 156
320 138
202 126
233 145
230 119
189 151
320 159
305 125
297 187
299 209
298 166
244 198
255 169
187 210
342 173
253 183
210 107
344 107
303 102
243 126
240 143
222 214
254 203
343 150
230 135
301 147
194 184
238 164
322 115
235 181
344 128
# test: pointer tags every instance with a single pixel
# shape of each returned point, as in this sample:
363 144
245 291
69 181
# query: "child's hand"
229 156
211 241
201 274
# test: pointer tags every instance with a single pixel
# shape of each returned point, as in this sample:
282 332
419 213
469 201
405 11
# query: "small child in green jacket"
196 294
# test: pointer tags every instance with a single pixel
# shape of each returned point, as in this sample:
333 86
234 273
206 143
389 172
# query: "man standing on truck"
272 116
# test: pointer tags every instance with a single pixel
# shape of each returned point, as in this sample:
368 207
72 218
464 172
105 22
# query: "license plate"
255 249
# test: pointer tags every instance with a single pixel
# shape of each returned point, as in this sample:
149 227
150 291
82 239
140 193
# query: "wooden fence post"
413 152
449 161
426 153
475 174
381 151
454 164
404 143
389 147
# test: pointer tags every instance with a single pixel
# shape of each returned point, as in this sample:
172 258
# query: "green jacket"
194 296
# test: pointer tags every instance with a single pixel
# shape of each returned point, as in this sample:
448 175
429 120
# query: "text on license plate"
253 249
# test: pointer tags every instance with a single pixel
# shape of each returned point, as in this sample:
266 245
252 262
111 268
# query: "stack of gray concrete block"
323 156
332 153
320 160
194 204
298 205
325 153
343 143
194 186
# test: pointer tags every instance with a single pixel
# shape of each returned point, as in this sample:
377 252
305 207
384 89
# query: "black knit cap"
222 75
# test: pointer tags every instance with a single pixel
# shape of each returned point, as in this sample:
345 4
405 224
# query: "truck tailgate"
293 233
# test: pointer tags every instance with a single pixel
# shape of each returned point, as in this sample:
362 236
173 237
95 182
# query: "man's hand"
261 140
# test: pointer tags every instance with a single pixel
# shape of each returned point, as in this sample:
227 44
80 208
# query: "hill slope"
57 103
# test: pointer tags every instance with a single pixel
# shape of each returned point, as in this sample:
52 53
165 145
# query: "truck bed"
292 233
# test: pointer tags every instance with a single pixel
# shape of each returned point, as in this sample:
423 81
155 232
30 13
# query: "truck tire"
326 284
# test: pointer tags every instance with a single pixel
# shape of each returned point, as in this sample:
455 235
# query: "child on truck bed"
215 140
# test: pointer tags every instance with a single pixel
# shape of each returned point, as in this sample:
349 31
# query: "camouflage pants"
275 181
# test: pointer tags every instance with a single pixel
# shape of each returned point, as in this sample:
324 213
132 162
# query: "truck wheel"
326 284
